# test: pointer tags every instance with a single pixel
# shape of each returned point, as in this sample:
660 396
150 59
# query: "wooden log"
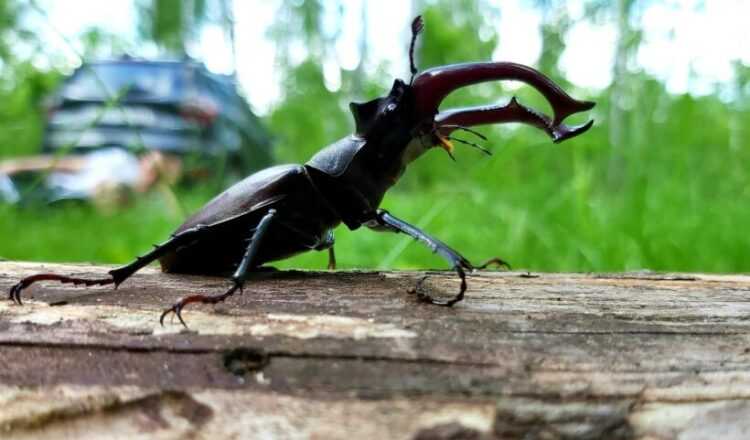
355 355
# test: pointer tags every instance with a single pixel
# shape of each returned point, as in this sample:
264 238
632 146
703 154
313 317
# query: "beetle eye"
390 107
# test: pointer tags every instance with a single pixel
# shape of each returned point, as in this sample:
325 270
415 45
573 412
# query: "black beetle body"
287 209
237 211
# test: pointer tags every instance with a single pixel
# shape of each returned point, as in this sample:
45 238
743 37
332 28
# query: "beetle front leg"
494 261
238 278
383 220
331 259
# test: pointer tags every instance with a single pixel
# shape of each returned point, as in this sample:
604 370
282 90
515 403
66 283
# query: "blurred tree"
358 76
626 91
308 115
171 24
10 10
740 122
623 88
101 43
458 31
23 85
175 25
306 30
227 23
555 24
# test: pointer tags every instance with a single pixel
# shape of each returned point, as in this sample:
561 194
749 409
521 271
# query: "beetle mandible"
288 209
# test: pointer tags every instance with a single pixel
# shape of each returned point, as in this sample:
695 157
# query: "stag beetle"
288 209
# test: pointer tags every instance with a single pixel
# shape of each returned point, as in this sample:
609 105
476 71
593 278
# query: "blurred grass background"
661 182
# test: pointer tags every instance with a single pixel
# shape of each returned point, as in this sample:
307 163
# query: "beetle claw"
12 293
15 292
179 305
176 310
496 261
426 298
164 315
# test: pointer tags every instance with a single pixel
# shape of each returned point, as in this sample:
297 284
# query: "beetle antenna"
416 27
472 144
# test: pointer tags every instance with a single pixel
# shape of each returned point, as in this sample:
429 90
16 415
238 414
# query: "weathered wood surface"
354 355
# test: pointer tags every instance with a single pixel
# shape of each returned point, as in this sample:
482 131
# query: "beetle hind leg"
238 278
116 276
15 291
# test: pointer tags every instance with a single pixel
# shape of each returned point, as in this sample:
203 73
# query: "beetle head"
387 125
372 118
406 122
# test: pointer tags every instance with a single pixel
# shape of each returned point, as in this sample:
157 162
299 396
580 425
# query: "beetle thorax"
415 148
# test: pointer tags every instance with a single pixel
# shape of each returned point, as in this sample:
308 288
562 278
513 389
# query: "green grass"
548 208
671 193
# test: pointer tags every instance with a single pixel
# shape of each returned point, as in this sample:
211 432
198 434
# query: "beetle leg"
319 243
118 275
383 220
326 242
15 291
331 259
496 261
238 278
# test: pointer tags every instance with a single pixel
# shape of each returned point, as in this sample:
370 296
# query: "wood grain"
355 355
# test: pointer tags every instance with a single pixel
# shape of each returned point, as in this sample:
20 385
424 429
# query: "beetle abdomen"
250 194
302 221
